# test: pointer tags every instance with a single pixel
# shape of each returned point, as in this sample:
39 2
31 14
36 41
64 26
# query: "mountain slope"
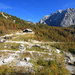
50 33
63 18
9 22
31 53
43 32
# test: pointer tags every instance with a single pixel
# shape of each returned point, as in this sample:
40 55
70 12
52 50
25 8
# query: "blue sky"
34 10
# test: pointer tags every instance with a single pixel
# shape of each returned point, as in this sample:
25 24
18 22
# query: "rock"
22 48
69 55
4 15
63 18
37 45
58 51
23 63
9 59
6 37
4 61
2 40
69 59
27 59
71 69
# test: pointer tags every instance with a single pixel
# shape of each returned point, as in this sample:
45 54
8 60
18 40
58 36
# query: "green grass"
65 46
25 37
51 67
9 46
36 49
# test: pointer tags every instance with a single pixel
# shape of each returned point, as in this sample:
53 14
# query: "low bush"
72 50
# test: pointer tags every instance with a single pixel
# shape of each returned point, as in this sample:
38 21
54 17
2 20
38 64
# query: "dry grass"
9 46
25 37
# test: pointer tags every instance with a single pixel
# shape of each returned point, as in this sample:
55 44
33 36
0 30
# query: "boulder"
27 59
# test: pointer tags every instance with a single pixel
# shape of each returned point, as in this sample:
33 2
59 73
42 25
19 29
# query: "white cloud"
4 6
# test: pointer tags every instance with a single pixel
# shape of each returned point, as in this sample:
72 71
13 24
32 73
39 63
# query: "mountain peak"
60 11
62 18
70 9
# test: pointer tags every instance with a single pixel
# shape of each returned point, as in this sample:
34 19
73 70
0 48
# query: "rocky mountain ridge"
63 18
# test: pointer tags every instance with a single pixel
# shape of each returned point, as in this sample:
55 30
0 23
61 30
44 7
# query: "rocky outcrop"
63 18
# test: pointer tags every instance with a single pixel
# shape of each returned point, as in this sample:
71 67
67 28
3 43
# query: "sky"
34 10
